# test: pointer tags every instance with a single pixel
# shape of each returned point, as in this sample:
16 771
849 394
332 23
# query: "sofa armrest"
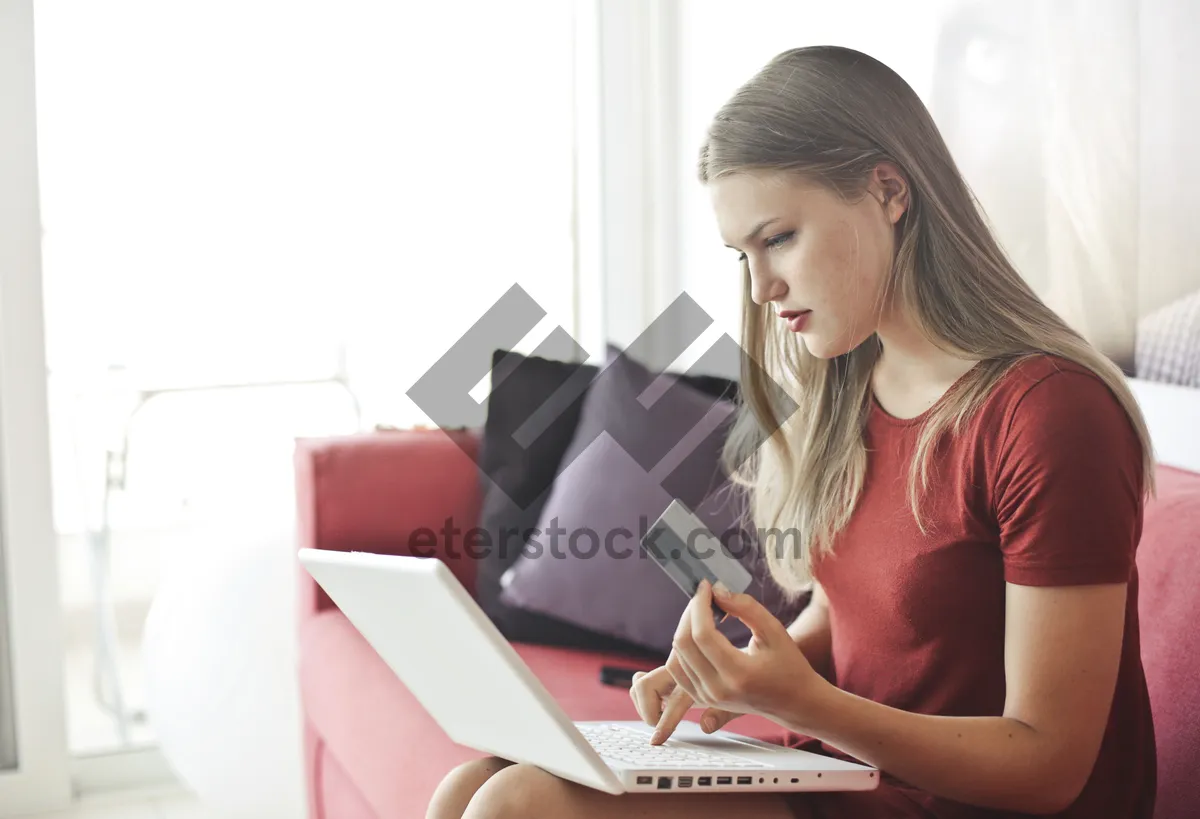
388 492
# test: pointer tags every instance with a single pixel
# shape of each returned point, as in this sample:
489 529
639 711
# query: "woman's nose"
765 288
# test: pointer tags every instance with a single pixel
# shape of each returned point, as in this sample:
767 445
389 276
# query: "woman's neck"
911 372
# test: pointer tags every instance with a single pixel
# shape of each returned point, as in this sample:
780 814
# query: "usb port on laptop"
704 780
645 780
724 780
745 780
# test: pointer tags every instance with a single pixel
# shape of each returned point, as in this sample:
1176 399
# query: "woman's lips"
796 319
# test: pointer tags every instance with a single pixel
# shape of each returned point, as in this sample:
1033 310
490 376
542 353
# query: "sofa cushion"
1168 562
517 477
624 466
394 752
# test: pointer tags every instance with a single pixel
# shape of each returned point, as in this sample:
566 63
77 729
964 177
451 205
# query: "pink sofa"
371 751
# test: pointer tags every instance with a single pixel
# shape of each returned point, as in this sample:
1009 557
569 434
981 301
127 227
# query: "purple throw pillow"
625 464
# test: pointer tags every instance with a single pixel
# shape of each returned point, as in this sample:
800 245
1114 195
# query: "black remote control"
617 676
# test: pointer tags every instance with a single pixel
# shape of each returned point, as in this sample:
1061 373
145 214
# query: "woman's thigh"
528 792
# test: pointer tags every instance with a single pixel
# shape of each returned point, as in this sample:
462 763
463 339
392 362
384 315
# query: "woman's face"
811 252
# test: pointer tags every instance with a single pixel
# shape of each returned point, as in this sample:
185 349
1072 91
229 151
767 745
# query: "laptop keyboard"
632 747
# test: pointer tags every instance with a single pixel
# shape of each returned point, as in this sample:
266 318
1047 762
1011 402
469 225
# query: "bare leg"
528 792
452 796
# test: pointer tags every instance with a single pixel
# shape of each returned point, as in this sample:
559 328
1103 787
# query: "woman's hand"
661 703
770 677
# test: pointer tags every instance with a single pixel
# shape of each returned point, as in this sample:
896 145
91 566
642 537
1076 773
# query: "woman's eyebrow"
757 229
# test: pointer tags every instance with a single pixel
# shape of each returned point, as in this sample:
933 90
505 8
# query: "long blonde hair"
832 114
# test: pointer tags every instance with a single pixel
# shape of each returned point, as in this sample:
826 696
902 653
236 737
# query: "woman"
964 477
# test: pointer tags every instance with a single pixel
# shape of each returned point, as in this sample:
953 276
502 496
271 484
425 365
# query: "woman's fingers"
682 675
714 655
700 671
714 719
648 692
637 694
660 701
676 706
695 638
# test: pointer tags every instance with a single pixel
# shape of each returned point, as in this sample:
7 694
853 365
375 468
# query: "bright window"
246 191
267 219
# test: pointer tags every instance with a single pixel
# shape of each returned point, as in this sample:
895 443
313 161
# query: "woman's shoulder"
1046 396
1059 379
1030 370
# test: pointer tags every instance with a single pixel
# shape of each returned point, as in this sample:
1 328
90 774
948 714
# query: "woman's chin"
820 345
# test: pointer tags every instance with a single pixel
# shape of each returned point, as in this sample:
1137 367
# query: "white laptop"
453 659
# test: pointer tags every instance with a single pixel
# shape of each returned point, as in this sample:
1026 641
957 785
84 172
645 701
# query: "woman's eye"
776 241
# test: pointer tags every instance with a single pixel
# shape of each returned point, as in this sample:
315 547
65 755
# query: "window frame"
41 780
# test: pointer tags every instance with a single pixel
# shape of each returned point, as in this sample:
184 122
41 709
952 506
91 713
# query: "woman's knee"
456 789
518 792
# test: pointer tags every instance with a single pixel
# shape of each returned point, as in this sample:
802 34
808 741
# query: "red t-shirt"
1043 488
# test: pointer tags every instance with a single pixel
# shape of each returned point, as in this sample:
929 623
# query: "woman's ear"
890 189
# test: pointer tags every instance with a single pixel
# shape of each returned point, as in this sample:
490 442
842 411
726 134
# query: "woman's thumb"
762 624
714 719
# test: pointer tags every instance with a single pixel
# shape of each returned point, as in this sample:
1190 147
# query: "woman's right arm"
811 632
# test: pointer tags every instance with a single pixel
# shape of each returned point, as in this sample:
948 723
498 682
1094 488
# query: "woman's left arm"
1062 651
1061 654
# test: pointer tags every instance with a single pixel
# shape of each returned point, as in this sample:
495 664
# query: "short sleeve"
1068 486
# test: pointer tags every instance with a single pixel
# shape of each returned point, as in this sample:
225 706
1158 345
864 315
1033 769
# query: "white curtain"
1074 122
